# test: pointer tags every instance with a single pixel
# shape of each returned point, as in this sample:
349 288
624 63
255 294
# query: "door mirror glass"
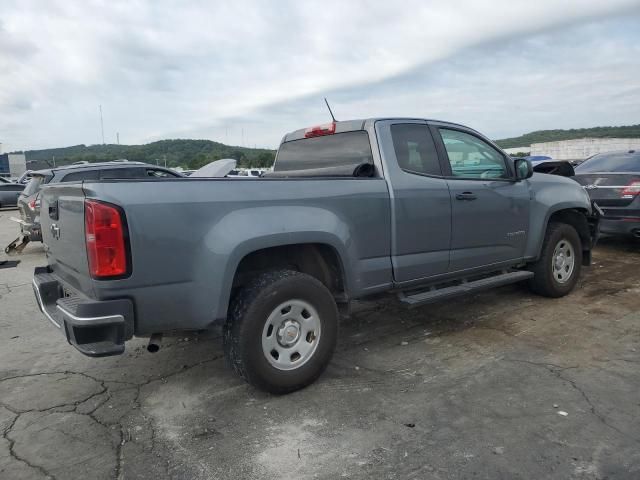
524 169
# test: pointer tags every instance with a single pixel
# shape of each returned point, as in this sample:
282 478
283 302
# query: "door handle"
466 196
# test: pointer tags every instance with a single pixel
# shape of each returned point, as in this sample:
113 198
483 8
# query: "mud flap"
17 246
594 223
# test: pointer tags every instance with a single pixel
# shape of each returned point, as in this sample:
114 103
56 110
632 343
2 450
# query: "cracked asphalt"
498 385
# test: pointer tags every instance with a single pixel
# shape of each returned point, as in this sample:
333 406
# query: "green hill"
629 131
189 154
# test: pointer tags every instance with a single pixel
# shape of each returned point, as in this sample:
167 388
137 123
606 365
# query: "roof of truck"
359 124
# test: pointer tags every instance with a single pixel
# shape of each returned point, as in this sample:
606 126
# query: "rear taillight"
105 238
35 203
631 190
320 130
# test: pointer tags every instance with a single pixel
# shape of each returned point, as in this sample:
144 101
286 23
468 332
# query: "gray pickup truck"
426 209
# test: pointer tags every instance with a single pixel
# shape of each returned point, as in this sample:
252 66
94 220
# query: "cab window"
471 157
415 149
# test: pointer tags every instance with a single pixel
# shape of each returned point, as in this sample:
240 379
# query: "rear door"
420 201
490 210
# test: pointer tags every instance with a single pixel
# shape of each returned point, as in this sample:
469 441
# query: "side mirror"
524 169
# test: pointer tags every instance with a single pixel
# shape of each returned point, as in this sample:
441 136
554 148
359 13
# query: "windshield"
611 162
34 184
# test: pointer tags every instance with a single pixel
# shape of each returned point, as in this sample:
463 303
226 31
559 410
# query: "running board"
437 294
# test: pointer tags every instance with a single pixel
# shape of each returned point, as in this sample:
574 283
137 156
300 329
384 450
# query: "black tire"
545 281
246 323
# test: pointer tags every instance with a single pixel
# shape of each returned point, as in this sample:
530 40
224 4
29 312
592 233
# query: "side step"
436 294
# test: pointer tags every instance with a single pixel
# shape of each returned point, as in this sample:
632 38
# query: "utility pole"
118 138
53 158
101 124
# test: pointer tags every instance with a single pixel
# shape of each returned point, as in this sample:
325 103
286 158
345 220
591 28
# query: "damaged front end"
554 167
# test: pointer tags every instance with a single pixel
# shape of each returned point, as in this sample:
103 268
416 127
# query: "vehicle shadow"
619 243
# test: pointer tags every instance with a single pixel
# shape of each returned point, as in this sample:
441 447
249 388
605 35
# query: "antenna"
332 117
101 124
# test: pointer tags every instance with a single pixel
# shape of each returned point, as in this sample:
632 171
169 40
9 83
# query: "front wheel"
557 270
281 331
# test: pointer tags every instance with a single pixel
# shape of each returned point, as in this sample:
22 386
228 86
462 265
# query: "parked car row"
9 192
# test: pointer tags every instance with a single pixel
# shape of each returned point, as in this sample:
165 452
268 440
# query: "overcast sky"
246 72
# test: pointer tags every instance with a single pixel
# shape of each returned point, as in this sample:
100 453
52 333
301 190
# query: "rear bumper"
97 328
620 226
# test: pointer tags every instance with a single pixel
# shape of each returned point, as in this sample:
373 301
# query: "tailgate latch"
53 211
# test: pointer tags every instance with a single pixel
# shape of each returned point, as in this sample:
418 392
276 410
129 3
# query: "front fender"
551 194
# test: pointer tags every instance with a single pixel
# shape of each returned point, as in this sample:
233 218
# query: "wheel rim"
291 334
563 261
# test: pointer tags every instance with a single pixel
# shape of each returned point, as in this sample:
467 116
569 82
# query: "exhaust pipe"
154 343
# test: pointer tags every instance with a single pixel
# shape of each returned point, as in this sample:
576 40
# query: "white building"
581 148
12 165
17 164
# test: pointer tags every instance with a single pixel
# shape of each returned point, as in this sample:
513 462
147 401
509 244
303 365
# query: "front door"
490 210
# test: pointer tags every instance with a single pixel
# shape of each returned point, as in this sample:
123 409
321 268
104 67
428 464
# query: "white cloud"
213 69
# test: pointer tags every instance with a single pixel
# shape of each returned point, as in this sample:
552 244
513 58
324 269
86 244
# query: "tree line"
188 154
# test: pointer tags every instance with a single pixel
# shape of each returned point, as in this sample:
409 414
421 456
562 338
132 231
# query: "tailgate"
62 219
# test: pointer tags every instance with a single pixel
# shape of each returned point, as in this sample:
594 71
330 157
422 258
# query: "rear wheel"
557 270
281 331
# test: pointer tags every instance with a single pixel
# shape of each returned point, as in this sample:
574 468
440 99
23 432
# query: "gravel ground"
498 385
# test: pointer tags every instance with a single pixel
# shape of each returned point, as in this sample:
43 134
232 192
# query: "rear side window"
415 149
81 176
341 150
616 162
121 173
154 173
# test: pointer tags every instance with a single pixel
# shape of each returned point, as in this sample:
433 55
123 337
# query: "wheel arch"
322 259
577 218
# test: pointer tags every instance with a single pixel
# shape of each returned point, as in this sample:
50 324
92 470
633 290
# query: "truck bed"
187 236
